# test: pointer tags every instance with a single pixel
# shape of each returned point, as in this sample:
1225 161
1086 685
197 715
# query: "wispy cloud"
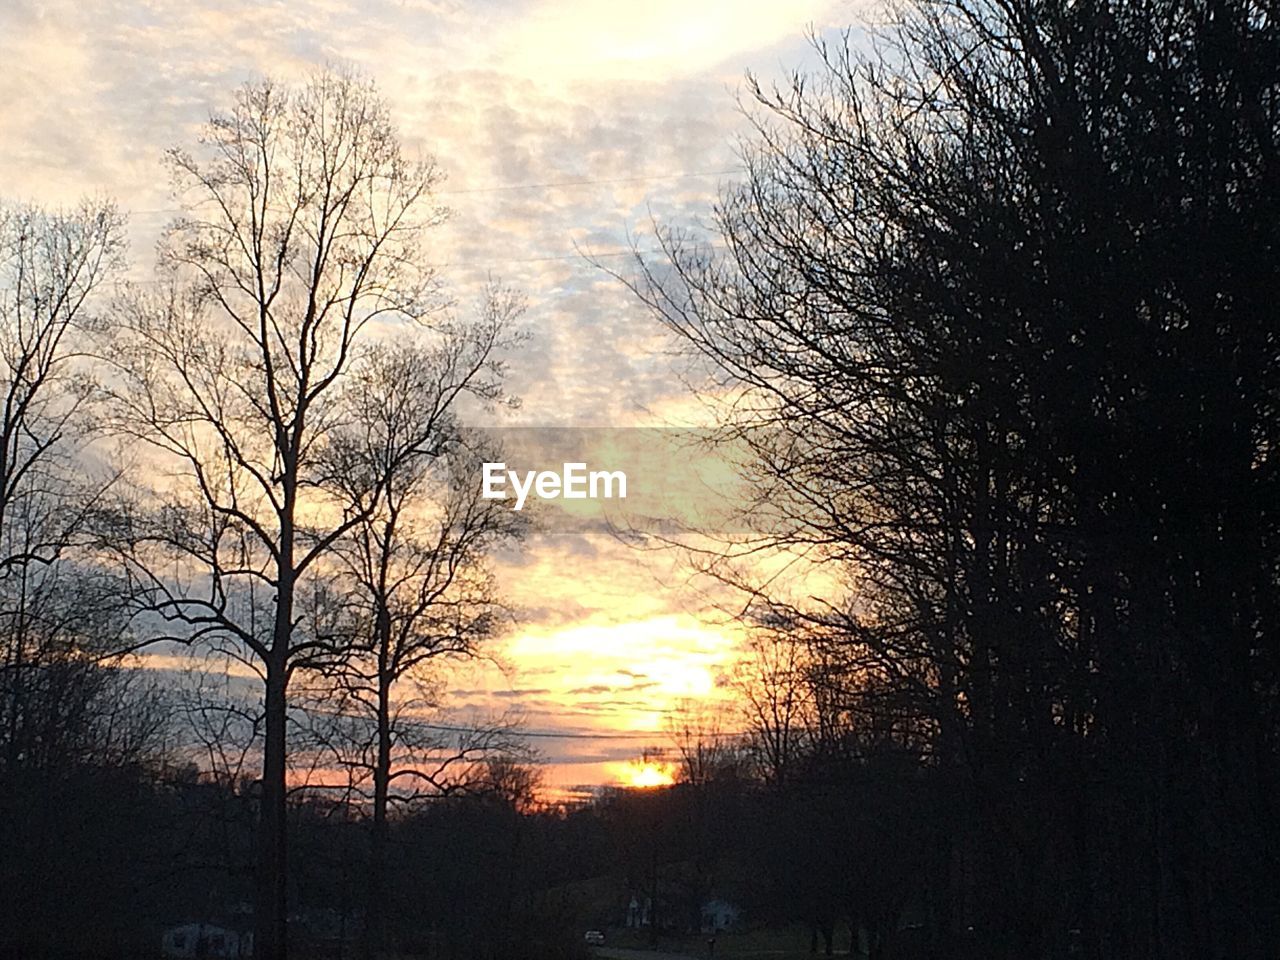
564 127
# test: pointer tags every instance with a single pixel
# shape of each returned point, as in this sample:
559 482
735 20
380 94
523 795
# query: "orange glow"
647 774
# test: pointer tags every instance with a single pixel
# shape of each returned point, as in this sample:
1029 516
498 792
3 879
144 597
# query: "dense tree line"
996 321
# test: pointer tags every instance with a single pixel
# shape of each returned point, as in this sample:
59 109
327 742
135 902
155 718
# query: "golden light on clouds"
596 38
638 670
564 128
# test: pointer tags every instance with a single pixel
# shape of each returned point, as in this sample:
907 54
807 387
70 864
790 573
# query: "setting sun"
644 775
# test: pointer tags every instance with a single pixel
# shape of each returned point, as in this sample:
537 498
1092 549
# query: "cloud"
564 127
520 693
585 40
602 688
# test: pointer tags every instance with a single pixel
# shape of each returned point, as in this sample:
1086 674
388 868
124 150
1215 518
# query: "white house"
639 912
199 940
719 915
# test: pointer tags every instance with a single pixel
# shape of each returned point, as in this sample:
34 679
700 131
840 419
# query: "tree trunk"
269 941
375 910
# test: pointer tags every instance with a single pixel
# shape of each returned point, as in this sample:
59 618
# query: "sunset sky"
562 127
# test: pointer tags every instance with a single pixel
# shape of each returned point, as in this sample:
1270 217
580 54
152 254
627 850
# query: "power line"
520 733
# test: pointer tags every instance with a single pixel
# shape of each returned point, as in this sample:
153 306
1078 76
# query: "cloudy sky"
563 126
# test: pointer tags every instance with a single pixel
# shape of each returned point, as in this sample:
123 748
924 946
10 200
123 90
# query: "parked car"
594 937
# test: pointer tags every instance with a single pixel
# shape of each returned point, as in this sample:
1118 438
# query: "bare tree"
302 241
707 750
776 690
990 378
420 590
51 264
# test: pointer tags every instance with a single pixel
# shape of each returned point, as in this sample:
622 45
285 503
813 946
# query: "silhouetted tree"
51 264
303 235
994 313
